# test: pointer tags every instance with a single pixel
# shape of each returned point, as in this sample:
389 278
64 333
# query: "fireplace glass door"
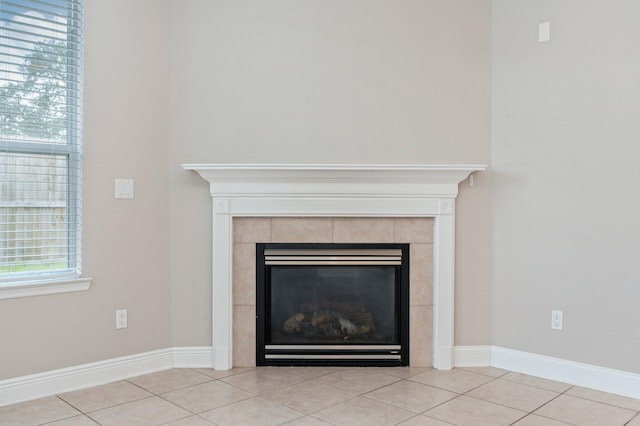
337 304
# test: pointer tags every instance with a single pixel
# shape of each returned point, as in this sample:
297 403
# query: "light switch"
124 188
544 32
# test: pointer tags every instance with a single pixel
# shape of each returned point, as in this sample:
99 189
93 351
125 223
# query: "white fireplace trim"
334 190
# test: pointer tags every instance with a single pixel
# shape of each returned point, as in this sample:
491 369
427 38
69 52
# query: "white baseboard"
472 356
98 373
193 357
589 376
83 376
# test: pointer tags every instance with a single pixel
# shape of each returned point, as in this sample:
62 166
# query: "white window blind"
40 139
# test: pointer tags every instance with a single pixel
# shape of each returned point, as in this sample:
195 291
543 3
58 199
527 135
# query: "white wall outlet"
121 319
556 320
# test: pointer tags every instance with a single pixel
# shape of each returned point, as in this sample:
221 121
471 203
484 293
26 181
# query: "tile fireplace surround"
334 192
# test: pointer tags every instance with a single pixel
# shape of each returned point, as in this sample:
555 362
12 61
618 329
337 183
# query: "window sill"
44 287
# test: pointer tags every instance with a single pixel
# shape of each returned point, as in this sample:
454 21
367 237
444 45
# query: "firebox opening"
332 304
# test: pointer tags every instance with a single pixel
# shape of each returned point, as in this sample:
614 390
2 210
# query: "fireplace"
333 190
332 304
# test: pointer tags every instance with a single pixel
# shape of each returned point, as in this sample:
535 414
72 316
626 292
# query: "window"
40 139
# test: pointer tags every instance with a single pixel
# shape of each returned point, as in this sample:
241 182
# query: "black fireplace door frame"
361 354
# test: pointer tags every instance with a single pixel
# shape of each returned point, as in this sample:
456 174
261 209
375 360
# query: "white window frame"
68 280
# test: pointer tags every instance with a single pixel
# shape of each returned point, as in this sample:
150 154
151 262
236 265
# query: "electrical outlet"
556 320
121 319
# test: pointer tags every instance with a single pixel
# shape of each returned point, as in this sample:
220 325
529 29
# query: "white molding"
472 356
94 374
98 373
193 357
333 190
83 376
43 287
575 373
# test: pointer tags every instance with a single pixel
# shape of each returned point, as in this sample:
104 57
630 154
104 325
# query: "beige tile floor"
330 396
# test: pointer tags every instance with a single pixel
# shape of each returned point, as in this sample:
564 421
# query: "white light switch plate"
544 32
124 188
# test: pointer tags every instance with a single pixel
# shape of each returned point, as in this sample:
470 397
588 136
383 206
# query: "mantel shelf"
423 173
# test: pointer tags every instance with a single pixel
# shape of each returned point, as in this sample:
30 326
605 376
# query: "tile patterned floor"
329 396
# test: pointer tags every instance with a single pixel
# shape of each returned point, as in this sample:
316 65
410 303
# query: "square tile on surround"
363 230
414 230
244 335
244 274
301 230
417 231
420 337
421 277
251 229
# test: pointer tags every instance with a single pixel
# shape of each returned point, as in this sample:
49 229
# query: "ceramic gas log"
331 320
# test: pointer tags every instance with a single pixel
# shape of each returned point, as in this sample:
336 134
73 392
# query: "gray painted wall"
565 155
333 81
124 241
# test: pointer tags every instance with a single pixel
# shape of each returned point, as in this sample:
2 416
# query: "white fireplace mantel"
334 190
